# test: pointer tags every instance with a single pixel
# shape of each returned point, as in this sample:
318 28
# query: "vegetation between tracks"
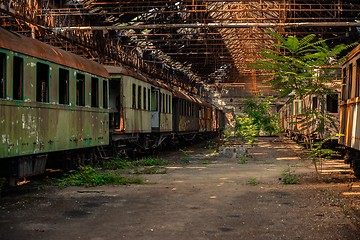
89 176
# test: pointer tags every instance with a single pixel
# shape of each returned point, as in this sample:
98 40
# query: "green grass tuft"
89 177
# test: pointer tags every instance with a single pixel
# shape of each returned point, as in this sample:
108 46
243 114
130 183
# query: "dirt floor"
210 198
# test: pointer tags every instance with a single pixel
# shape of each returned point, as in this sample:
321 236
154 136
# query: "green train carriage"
140 110
51 101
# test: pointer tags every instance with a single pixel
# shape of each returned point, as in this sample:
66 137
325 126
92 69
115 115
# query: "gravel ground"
212 197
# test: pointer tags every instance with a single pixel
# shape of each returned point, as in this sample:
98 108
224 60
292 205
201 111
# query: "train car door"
155 108
116 105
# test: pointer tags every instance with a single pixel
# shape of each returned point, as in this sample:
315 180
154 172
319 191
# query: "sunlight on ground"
258 153
351 193
287 158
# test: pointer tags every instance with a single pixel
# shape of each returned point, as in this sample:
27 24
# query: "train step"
103 153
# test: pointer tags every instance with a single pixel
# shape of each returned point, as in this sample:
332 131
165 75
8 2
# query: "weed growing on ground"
151 161
89 177
253 181
289 177
118 163
243 160
150 170
186 159
205 162
125 163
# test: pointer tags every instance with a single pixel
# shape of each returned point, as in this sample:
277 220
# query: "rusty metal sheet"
32 47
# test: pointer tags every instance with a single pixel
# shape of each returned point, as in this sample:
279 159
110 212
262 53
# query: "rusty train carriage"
50 101
145 112
349 109
186 114
141 109
300 128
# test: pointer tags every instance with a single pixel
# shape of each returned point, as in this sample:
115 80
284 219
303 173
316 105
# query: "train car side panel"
137 118
166 111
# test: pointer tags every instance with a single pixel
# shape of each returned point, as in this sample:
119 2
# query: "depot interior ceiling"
194 44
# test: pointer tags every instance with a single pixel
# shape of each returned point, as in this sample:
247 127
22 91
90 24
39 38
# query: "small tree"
256 119
303 67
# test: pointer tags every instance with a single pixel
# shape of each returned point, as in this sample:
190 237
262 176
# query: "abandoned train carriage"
140 109
186 119
145 112
349 109
50 101
313 117
54 103
300 128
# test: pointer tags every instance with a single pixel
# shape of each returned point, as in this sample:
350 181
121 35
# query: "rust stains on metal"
32 47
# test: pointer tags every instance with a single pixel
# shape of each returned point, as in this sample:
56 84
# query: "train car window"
332 103
344 78
18 75
167 103
188 108
357 78
149 102
42 82
80 89
94 92
162 102
2 75
155 100
297 107
183 107
139 97
105 94
350 82
180 107
314 103
134 96
144 98
169 106
63 86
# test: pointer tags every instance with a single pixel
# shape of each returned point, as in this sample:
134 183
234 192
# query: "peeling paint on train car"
31 129
136 120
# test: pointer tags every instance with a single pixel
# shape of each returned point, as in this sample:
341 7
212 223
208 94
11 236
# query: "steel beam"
210 25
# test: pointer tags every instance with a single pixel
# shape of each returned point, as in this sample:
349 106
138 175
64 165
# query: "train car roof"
183 95
353 53
179 94
202 102
35 48
120 69
123 70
